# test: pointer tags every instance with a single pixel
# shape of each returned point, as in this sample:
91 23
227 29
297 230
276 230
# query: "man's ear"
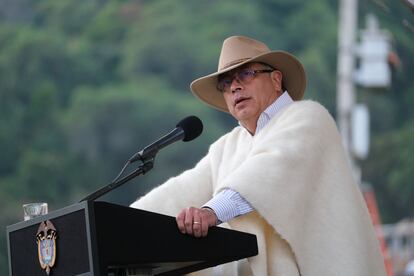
276 77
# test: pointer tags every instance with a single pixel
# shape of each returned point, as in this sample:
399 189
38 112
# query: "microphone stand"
147 165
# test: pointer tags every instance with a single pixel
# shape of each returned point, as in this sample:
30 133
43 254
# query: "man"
281 174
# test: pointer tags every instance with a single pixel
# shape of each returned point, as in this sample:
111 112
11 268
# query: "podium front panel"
72 255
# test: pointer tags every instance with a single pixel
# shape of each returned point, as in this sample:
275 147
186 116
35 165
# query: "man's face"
247 98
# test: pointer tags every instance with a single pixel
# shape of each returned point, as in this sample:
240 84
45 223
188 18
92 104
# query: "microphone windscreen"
192 127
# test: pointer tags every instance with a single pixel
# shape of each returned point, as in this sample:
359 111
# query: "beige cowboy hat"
239 50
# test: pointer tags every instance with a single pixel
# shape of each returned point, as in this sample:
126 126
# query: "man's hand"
196 221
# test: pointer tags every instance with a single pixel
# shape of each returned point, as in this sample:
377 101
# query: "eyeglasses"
243 76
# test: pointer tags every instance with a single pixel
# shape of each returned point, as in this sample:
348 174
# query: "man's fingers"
180 221
195 221
188 221
204 229
209 219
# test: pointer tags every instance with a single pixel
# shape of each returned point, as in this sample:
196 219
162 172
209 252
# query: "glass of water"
32 210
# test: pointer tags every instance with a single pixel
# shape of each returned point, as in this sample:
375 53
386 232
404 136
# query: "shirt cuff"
228 204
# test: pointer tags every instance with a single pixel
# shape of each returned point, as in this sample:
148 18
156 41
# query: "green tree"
85 84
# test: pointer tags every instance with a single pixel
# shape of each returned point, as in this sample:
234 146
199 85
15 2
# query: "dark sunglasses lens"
224 83
245 75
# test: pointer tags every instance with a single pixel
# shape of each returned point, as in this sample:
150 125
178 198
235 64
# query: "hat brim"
293 78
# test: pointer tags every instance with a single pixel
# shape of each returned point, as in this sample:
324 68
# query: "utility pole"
353 119
347 26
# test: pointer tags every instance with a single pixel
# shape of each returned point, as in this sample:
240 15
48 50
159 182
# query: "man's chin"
243 115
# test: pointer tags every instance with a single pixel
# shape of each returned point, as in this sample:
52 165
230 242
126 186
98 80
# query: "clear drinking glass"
32 210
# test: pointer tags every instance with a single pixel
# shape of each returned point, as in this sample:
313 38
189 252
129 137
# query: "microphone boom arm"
142 169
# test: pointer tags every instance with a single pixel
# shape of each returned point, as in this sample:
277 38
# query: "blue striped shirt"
228 203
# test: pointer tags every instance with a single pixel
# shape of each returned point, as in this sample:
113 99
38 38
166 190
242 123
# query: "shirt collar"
281 102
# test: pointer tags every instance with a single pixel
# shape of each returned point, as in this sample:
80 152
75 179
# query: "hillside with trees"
85 84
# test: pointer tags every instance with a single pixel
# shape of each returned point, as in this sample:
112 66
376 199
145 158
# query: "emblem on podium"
46 245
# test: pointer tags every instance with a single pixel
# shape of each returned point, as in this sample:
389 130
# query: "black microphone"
187 129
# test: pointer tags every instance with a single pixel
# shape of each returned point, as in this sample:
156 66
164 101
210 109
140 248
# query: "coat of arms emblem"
46 245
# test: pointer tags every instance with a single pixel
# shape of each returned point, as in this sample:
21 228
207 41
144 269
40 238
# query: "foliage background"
84 84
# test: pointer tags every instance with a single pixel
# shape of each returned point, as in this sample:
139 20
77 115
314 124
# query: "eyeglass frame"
236 75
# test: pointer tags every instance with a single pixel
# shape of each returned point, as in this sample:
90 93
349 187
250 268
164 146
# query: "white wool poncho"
310 217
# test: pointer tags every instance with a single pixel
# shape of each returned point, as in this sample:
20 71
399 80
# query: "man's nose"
235 85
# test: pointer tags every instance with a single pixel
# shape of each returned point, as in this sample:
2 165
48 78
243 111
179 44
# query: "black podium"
100 238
